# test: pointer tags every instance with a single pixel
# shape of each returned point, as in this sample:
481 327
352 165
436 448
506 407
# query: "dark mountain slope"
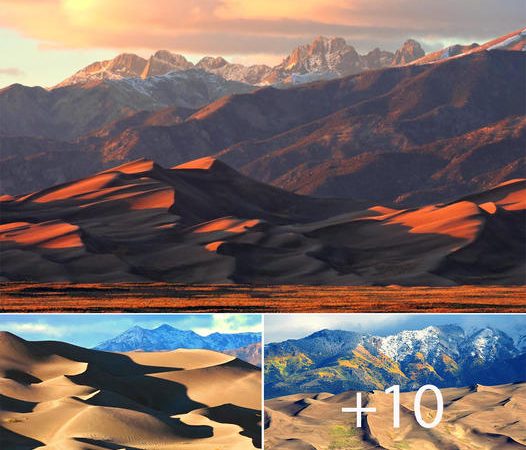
410 135
66 113
334 360
166 337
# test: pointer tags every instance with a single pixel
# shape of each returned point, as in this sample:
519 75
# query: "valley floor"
165 297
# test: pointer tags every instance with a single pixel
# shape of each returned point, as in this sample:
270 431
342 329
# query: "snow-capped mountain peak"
321 55
211 63
323 58
431 342
163 61
122 66
166 337
489 344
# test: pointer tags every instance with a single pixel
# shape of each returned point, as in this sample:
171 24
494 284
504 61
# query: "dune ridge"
203 222
482 417
59 396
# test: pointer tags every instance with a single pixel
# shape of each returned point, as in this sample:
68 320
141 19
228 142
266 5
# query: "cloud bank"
281 327
242 27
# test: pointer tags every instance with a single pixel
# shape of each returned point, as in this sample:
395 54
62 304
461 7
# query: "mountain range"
203 222
65 113
244 346
166 338
115 89
407 135
324 57
446 356
427 154
250 353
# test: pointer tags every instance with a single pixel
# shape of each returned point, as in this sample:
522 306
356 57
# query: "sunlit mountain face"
358 136
203 160
446 356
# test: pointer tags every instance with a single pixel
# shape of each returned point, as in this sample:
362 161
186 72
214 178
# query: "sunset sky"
44 41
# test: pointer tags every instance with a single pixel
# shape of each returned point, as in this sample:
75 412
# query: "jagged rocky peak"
122 66
410 51
164 61
127 64
326 58
210 62
127 61
377 58
326 44
165 327
322 54
173 58
489 344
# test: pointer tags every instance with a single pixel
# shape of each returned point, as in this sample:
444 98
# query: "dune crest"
205 163
67 397
134 167
487 418
203 222
75 188
53 234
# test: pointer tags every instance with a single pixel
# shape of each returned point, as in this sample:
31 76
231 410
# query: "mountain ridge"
360 136
447 356
461 123
58 116
323 57
514 41
166 337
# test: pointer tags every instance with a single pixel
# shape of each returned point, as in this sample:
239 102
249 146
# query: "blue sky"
292 326
88 330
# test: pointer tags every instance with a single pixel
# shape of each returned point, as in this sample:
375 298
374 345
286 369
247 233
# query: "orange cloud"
251 26
11 71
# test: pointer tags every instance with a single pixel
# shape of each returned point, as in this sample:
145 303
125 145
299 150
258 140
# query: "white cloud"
11 71
292 326
232 323
38 328
248 27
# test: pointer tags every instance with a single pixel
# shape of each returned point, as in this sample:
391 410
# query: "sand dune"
203 222
58 396
478 417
